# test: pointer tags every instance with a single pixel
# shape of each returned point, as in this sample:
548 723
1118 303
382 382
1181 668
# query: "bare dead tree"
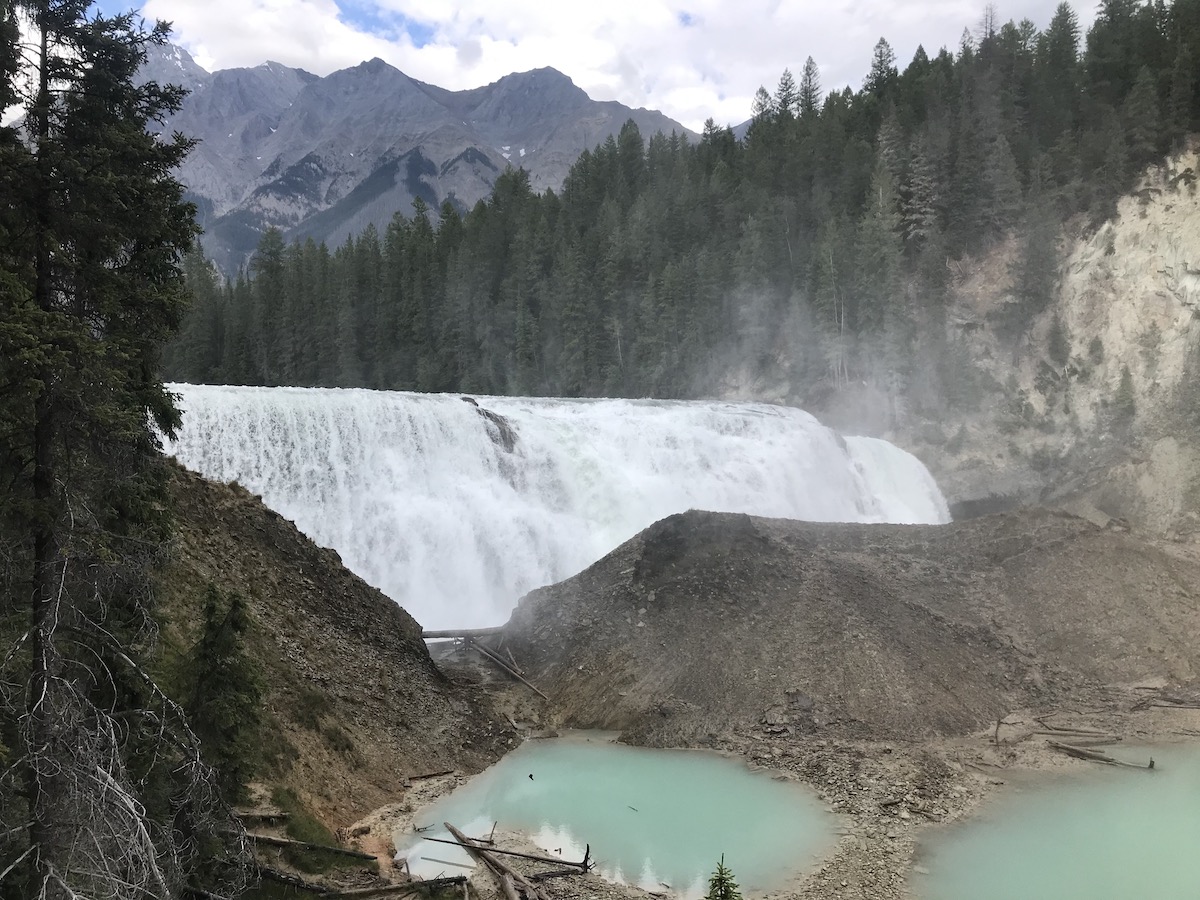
87 831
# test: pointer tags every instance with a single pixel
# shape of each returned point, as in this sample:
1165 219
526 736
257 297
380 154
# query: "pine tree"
721 886
809 100
1056 77
882 77
267 322
918 202
1035 271
1142 120
224 700
106 777
787 95
1003 187
878 255
1183 91
763 107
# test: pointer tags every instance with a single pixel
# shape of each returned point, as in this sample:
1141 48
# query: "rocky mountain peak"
324 157
171 64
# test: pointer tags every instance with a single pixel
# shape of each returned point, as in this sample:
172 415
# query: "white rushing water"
420 496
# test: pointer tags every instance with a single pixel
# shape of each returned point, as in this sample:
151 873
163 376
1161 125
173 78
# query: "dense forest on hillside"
660 262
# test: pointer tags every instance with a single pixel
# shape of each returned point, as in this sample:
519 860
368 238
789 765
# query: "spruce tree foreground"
103 793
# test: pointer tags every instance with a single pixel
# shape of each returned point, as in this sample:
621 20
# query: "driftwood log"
1094 755
505 874
503 666
552 860
292 880
305 845
437 774
425 885
462 633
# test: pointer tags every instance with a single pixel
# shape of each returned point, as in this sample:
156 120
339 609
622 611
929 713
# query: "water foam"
427 498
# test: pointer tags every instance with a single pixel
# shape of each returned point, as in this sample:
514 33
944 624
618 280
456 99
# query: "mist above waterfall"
455 513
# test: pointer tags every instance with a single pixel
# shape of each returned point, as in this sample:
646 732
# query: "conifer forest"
831 226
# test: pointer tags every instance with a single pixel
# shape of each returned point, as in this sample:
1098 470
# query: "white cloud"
639 52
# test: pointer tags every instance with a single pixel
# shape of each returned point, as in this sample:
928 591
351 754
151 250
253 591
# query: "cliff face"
1134 286
1070 432
1050 420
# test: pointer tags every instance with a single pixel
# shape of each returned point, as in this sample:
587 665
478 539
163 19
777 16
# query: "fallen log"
1075 729
499 868
431 775
461 633
407 887
552 860
1084 739
552 873
252 815
484 651
1094 755
305 845
448 862
512 659
291 880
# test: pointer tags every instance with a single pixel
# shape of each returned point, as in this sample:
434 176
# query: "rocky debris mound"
709 622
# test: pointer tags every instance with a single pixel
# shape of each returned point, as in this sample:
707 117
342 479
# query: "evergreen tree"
883 75
267 322
787 95
1003 187
1181 102
722 886
809 99
105 778
878 253
763 106
919 202
1035 271
1142 120
224 700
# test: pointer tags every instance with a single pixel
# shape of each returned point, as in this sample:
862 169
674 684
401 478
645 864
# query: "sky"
691 59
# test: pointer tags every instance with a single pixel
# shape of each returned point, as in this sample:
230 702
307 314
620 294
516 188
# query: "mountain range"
324 157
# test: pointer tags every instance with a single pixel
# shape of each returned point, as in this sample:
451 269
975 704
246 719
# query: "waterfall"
455 509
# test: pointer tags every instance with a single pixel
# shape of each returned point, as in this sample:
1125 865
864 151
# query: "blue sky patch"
373 19
114 7
686 19
421 33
